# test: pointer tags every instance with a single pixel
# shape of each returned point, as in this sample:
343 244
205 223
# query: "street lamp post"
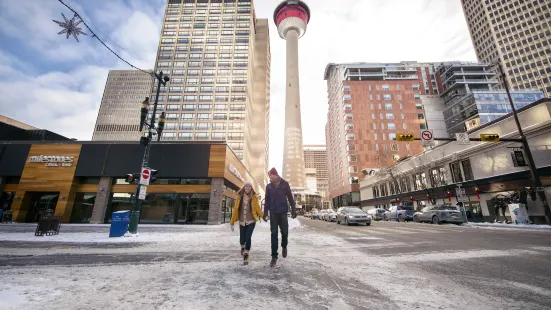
145 141
531 164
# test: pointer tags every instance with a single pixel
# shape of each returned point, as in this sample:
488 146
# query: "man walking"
278 193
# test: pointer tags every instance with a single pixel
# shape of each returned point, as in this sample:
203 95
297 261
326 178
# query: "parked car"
322 214
330 216
352 215
315 215
440 214
399 213
307 214
376 214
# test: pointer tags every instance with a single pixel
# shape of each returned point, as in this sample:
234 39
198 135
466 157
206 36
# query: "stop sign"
145 174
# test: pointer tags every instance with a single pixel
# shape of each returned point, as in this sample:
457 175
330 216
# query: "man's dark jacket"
277 196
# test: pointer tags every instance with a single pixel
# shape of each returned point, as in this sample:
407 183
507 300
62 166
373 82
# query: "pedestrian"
278 199
246 211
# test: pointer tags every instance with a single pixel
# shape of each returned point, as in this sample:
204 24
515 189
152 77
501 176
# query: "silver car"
439 214
330 216
352 215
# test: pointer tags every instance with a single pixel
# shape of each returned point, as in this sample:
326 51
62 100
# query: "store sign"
53 161
235 172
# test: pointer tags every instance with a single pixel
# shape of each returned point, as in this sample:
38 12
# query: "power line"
103 43
114 42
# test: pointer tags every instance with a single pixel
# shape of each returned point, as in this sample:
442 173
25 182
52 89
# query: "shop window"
83 207
456 172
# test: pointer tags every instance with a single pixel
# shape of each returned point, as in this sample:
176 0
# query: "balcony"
401 77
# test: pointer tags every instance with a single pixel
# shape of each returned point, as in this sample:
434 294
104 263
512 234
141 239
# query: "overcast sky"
57 84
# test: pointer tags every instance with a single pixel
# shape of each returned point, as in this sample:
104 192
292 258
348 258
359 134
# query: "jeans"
279 220
245 235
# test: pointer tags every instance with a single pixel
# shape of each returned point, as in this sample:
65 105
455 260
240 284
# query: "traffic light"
144 141
162 121
132 177
152 176
143 112
405 137
489 137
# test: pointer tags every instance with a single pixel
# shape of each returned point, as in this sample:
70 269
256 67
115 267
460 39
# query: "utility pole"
145 141
531 164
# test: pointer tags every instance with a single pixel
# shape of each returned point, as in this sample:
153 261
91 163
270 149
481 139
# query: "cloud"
57 84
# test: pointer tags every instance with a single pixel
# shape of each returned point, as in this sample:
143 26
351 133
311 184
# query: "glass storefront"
165 208
83 207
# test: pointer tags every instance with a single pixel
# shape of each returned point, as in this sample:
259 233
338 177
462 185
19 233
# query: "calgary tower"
291 18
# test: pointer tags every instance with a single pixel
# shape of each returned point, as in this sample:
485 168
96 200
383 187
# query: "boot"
245 257
242 250
284 254
273 263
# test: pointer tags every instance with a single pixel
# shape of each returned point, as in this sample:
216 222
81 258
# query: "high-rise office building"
315 165
518 34
119 113
468 90
217 54
369 103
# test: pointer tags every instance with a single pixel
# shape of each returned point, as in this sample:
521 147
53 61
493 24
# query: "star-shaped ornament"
70 27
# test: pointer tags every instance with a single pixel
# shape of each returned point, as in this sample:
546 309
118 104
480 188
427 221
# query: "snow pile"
508 226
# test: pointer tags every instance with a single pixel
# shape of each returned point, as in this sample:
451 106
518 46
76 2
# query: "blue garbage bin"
119 223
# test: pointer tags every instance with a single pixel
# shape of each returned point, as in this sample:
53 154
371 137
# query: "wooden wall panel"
199 189
39 177
217 161
10 187
87 188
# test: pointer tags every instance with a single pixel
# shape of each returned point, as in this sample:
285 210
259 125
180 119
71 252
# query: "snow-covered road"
200 268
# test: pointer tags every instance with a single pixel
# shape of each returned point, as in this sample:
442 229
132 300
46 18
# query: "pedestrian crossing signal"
405 137
489 137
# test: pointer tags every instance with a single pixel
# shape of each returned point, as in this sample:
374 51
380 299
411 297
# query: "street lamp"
145 140
531 164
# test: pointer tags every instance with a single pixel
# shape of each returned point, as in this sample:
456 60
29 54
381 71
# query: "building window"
386 87
387 97
467 171
389 115
456 172
350 147
438 177
388 106
391 126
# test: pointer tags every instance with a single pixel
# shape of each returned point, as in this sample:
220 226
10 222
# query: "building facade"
84 182
369 103
484 170
517 33
119 112
317 174
468 91
216 54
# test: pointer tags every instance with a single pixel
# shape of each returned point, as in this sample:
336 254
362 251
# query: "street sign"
427 137
461 195
143 192
462 138
144 176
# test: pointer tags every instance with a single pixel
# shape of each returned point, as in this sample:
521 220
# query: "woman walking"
246 211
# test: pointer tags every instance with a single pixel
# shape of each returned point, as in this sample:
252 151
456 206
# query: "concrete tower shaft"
291 18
